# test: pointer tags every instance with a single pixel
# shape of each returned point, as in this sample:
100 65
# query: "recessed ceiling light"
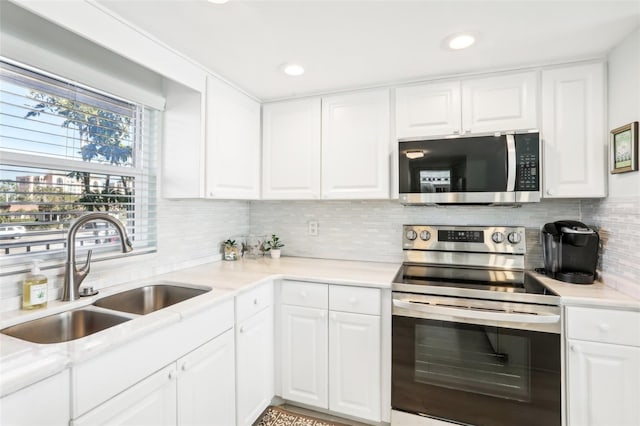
218 1
460 41
292 69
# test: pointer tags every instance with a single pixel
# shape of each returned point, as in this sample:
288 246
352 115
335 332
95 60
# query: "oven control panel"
481 239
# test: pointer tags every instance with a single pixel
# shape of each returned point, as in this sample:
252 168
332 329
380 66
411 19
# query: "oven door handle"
470 313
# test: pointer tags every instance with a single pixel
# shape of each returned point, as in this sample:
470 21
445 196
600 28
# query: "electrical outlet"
312 227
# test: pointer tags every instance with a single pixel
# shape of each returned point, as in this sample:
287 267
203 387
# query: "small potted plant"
230 249
273 246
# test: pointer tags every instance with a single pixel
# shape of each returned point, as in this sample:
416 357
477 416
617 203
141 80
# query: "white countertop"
596 294
23 363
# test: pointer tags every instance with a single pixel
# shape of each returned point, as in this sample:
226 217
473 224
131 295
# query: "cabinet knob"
604 327
549 192
456 132
575 348
185 366
353 300
173 374
242 329
255 301
303 294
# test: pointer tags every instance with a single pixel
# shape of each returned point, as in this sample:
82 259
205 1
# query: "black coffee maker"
570 250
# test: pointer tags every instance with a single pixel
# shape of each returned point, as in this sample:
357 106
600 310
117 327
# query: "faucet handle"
87 265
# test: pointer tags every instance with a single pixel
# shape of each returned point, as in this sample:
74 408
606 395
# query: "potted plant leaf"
231 251
273 246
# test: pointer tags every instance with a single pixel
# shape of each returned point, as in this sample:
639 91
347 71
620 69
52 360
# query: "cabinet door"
150 402
304 356
291 150
43 403
506 102
183 142
428 110
206 384
254 366
356 145
354 365
233 143
573 134
603 384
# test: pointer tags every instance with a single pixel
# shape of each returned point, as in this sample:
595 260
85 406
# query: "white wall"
624 104
618 215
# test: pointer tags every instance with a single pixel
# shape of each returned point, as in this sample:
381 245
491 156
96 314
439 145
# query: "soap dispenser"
34 288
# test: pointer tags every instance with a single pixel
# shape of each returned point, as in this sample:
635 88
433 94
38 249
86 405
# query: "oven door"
481 363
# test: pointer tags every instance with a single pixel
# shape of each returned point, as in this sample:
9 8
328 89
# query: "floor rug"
276 416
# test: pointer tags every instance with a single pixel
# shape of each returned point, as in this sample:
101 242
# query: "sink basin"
65 326
149 298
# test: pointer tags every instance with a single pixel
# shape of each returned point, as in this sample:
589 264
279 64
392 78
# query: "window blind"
66 150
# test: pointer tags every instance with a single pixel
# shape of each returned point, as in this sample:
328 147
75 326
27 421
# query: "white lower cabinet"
304 357
197 389
254 353
603 367
41 404
330 348
354 364
206 384
149 402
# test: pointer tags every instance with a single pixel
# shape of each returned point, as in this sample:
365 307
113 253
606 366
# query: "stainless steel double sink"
78 323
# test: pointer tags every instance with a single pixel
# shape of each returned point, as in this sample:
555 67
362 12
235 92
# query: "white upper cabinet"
428 110
480 105
232 143
574 140
291 150
504 102
355 145
183 165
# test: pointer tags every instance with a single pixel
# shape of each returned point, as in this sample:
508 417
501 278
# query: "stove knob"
497 237
425 235
514 237
411 235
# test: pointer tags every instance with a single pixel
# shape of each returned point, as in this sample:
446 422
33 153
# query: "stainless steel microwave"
497 169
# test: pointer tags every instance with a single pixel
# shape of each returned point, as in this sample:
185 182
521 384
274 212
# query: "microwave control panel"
528 162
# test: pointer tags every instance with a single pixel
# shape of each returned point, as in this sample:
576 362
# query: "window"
66 150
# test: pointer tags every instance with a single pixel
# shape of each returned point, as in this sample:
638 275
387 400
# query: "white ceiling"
350 44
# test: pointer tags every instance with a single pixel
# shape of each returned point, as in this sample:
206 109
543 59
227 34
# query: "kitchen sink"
149 298
65 326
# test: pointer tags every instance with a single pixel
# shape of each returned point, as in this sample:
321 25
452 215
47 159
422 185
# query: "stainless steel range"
476 340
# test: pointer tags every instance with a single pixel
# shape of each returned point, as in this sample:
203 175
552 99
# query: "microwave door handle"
470 313
511 163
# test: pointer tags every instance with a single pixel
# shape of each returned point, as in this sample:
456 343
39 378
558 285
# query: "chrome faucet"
74 276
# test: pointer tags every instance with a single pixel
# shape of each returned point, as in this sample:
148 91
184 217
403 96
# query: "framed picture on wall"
624 148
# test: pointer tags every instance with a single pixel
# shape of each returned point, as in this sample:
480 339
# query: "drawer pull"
604 327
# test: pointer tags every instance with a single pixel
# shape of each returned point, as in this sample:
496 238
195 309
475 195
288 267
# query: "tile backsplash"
618 222
189 232
371 230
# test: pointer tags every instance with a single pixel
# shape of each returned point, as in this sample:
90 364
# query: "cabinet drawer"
253 301
606 326
358 300
299 293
